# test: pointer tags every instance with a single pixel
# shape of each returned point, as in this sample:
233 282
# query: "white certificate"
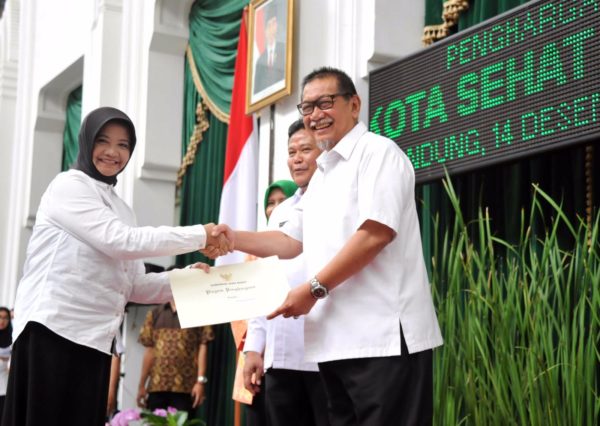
228 293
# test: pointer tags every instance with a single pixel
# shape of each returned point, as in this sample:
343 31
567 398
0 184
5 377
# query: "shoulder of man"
281 213
375 148
379 141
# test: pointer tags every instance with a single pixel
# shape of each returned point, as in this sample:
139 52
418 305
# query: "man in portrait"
270 66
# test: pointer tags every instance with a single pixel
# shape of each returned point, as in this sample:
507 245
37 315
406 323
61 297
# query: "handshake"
219 240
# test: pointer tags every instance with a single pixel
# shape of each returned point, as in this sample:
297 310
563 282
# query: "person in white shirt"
84 263
255 410
294 393
371 322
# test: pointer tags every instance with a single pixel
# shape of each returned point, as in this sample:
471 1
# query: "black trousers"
255 414
295 398
55 382
181 401
394 391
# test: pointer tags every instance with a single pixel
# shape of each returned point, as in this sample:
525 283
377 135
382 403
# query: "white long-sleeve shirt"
84 261
282 339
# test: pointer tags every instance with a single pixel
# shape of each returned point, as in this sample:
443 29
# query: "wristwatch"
318 290
202 380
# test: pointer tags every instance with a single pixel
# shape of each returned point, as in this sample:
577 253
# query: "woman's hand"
200 265
198 394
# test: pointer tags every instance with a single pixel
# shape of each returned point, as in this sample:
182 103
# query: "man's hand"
299 301
142 397
219 240
253 371
197 394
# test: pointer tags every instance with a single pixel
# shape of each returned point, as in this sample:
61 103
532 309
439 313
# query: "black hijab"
90 127
6 334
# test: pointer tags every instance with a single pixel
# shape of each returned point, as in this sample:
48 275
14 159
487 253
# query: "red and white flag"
240 178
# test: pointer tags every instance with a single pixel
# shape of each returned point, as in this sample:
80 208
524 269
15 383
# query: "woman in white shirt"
84 263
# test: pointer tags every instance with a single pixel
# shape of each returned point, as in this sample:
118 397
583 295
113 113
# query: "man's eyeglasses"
323 103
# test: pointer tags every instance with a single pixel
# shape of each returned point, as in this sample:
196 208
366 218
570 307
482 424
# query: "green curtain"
71 132
214 33
506 189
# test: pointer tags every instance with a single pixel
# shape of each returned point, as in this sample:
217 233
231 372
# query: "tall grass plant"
520 321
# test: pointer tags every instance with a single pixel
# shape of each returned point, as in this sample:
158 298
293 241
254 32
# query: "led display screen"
524 82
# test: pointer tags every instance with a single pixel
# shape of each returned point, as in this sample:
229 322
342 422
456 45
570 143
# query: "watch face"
319 292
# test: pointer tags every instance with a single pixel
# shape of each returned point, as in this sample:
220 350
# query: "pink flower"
171 410
123 418
160 412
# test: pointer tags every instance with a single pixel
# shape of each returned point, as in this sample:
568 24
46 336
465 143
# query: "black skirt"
54 381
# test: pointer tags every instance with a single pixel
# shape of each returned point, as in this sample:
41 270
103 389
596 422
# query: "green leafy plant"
520 321
169 417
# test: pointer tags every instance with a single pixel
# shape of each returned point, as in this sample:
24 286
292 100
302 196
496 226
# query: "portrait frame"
270 52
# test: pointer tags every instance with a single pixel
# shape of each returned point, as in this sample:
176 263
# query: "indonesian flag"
238 199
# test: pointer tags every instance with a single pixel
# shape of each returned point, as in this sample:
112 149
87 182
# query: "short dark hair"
345 83
295 127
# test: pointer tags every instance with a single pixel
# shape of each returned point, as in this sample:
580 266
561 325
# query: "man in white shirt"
294 393
358 226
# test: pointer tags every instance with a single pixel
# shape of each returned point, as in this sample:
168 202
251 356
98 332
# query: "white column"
9 65
101 73
17 170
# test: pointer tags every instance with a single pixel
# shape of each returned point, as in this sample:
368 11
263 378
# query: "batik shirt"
175 364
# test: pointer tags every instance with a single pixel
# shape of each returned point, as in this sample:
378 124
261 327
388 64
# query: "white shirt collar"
344 147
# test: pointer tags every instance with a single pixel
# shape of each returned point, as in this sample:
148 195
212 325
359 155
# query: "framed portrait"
269 74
